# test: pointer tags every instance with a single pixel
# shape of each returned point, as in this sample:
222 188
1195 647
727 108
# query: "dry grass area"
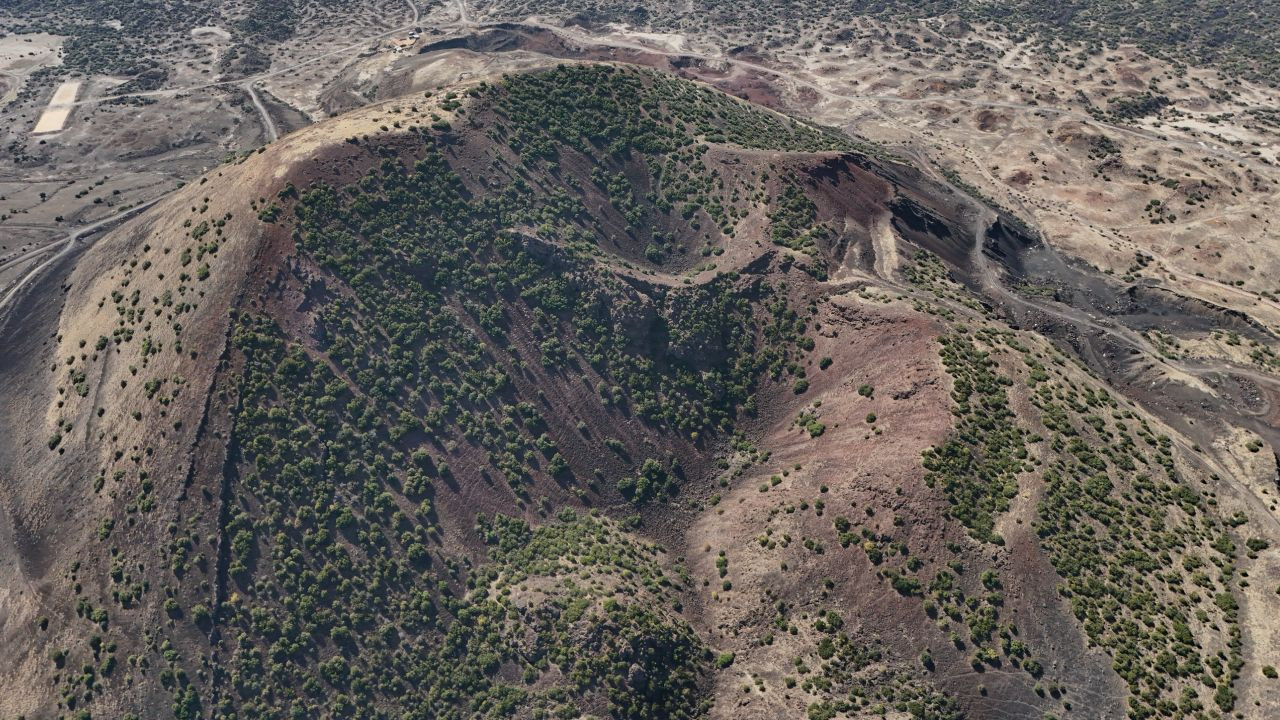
20 55
852 469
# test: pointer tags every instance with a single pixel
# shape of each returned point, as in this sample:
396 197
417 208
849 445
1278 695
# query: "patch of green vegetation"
853 678
972 601
270 20
1136 107
586 107
794 220
927 272
810 421
476 260
435 315
361 588
1134 544
1147 569
634 124
977 468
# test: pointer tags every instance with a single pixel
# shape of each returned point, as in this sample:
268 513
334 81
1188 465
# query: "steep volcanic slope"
590 392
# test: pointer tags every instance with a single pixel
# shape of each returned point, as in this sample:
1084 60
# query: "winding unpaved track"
11 87
251 84
268 125
269 128
68 246
25 256
990 281
989 278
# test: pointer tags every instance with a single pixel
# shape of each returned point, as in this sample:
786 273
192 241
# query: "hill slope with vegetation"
589 392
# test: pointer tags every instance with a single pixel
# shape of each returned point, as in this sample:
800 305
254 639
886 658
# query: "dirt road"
268 125
68 245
